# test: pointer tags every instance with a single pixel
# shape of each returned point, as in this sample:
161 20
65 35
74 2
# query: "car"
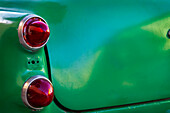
106 56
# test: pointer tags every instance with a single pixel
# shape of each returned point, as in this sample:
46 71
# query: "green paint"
16 64
102 53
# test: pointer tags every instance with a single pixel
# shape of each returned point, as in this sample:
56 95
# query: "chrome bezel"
25 89
20 33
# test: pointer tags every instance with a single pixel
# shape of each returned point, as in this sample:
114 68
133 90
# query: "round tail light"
33 32
37 92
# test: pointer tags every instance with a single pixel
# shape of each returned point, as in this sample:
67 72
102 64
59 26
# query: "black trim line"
48 62
88 110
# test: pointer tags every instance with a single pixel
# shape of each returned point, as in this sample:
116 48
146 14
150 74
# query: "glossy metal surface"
104 52
110 53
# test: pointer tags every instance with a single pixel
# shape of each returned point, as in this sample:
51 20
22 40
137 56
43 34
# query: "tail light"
37 92
33 32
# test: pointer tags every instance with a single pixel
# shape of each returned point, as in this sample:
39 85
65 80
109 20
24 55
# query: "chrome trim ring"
20 33
25 89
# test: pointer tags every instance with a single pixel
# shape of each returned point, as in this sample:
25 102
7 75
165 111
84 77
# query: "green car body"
102 56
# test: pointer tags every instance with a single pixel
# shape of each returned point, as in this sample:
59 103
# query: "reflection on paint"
4 21
43 70
160 29
126 83
7 14
19 80
78 74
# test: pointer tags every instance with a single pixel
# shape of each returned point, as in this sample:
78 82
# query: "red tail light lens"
33 32
36 33
37 92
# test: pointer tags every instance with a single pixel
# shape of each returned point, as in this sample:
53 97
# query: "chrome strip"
20 33
25 88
